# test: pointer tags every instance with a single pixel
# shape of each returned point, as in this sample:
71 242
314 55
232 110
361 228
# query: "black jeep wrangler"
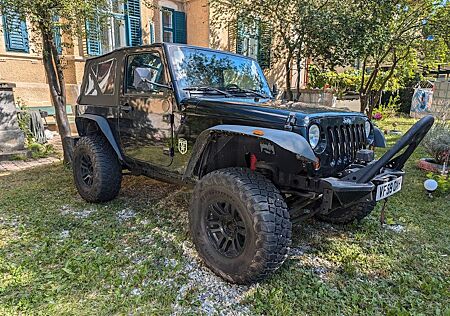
208 119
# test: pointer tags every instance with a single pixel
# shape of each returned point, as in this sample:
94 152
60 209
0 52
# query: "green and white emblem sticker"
182 146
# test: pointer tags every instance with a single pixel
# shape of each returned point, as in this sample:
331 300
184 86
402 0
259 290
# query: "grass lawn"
60 255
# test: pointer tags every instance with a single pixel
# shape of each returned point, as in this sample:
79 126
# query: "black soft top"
102 82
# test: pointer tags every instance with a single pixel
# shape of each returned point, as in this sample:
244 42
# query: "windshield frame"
183 94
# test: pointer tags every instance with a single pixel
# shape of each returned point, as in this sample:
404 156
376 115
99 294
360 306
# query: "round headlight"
367 128
314 135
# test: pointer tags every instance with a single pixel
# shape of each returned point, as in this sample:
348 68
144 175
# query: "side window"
144 73
101 78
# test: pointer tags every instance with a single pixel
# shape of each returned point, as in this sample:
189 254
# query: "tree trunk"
287 65
297 84
377 97
56 83
362 102
365 91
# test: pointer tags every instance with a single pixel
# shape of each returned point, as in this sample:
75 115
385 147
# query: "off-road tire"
263 211
106 169
346 215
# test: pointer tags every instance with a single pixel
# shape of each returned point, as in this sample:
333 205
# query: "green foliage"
437 142
389 109
442 180
340 83
40 150
300 29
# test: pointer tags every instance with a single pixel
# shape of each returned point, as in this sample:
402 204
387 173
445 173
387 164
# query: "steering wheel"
232 86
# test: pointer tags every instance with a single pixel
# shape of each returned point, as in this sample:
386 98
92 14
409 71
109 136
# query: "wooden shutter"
264 45
94 45
16 33
179 25
134 23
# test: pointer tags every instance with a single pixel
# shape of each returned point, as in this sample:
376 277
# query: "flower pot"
428 164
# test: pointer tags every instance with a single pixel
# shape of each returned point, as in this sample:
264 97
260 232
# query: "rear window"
101 78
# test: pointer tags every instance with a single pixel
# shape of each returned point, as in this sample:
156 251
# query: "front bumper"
360 182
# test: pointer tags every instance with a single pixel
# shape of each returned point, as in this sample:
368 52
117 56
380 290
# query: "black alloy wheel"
240 224
87 169
96 169
226 229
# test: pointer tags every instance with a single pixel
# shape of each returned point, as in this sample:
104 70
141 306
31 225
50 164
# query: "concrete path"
20 165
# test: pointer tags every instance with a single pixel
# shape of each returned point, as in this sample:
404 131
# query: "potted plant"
437 145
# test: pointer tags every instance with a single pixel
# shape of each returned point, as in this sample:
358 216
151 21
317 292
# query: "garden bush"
437 142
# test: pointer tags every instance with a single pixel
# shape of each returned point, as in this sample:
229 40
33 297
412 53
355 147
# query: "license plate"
387 189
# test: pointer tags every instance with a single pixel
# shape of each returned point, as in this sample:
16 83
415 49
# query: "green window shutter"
16 33
134 23
57 36
265 45
239 36
180 32
93 43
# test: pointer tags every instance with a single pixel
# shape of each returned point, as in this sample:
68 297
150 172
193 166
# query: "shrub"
437 142
387 110
442 180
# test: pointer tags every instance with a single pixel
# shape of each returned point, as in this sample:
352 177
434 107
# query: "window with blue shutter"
134 22
93 42
16 33
174 26
179 22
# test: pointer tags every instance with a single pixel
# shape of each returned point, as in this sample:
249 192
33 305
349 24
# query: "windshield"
196 69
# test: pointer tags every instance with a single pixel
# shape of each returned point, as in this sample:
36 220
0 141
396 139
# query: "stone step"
15 155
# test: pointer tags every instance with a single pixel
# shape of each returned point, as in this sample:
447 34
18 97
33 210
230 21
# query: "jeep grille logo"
348 120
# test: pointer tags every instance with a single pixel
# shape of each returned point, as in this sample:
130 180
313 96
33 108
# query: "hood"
275 109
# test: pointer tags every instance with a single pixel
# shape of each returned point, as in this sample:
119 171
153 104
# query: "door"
145 120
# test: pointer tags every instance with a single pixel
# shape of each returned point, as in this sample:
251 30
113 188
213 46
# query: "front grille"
344 141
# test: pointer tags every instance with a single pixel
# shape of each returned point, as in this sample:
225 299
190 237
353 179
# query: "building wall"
197 14
26 70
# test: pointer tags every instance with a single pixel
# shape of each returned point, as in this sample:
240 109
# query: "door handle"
126 108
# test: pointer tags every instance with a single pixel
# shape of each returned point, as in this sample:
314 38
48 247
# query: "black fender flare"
290 141
103 124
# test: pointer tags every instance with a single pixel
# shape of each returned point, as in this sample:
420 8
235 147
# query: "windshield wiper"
236 89
208 88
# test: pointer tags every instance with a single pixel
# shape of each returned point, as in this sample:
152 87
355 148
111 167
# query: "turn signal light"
258 132
316 164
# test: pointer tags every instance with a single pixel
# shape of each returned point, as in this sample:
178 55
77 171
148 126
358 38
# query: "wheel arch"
228 144
91 124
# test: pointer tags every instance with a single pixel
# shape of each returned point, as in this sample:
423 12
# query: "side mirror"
275 90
